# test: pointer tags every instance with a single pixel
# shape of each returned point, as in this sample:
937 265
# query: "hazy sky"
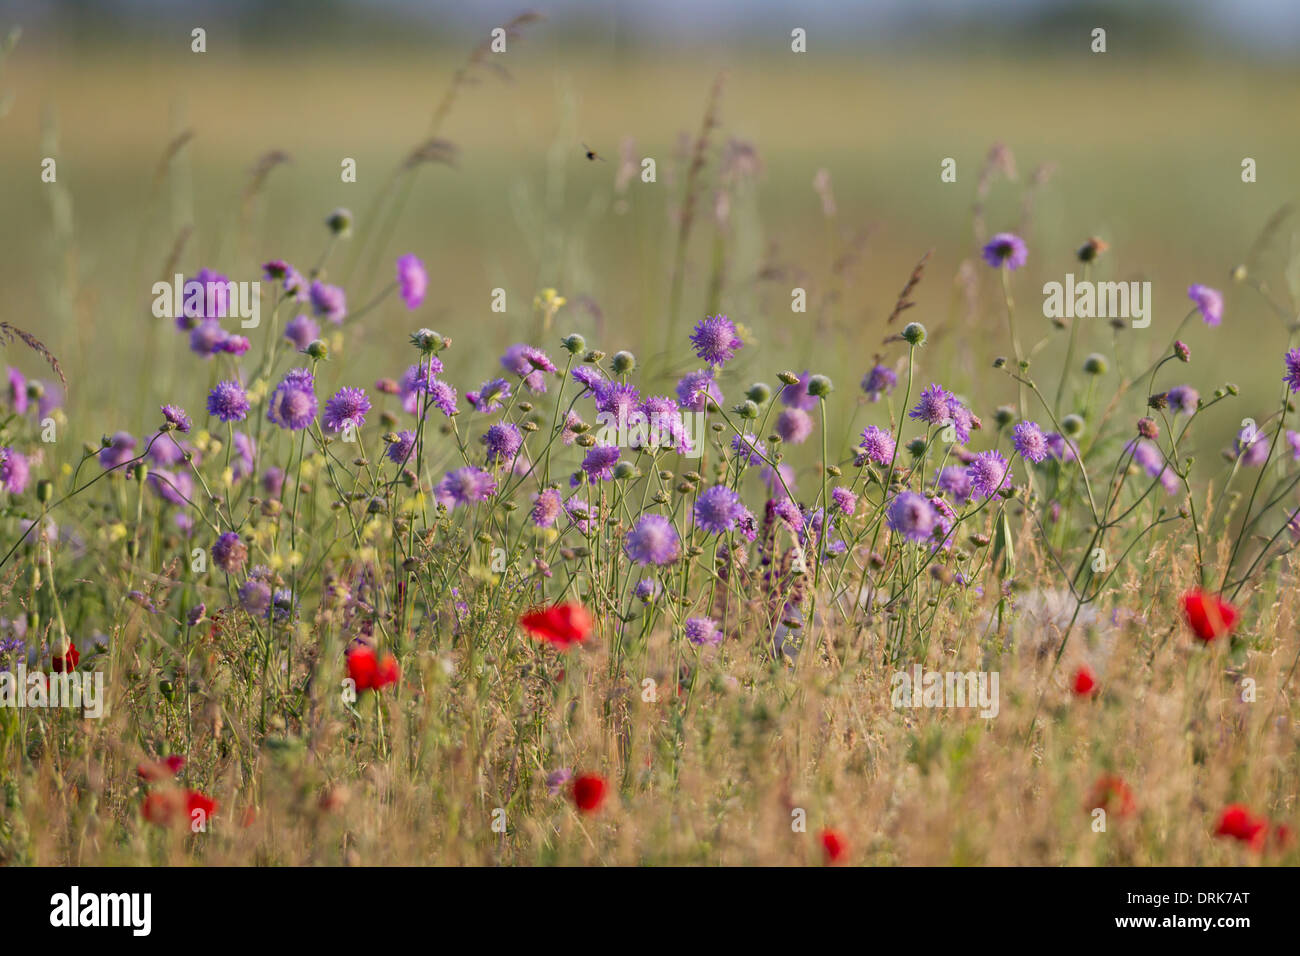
1268 23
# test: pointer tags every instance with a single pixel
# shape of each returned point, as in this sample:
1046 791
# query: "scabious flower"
715 339
912 516
328 301
442 397
293 403
347 406
717 509
228 402
1209 302
694 389
653 540
797 395
547 506
667 429
401 450
229 552
255 593
617 400
17 392
600 461
208 300
1292 376
503 441
794 425
1251 446
556 779
935 406
412 279
647 590
208 338
844 499
118 451
987 472
1029 441
302 331
1293 439
490 397
879 381
701 631
530 364
1183 399
15 470
176 417
954 480
589 377
1006 248
465 486
748 449
1060 447
877 444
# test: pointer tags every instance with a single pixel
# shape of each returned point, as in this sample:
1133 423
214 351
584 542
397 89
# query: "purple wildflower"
302 331
955 481
400 451
935 406
588 376
176 417
412 279
794 425
701 631
600 461
653 540
695 388
490 396
717 509
465 486
1029 441
715 339
119 450
878 445
348 406
546 508
844 499
228 402
987 472
1292 376
15 470
1006 248
912 516
293 403
1183 399
503 441
1209 302
879 381
748 449
328 301
229 552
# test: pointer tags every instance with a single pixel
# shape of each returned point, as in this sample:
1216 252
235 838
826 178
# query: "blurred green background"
1141 146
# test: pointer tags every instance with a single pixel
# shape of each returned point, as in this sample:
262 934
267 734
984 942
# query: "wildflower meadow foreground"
698 603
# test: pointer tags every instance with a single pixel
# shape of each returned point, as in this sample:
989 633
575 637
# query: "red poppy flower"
67 661
562 625
834 845
1112 794
160 769
1238 822
588 791
368 672
167 808
1208 615
1084 681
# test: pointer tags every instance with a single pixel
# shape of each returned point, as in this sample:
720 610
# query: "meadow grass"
241 581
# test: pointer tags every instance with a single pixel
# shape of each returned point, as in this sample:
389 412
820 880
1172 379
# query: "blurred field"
1146 154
